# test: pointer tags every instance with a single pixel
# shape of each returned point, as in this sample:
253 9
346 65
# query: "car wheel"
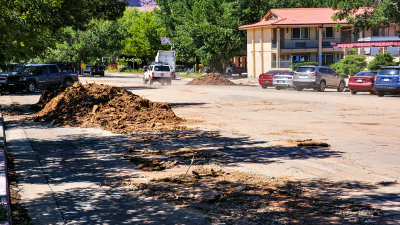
31 87
372 93
353 92
264 86
380 93
144 80
151 81
341 86
298 88
277 88
67 82
322 86
102 75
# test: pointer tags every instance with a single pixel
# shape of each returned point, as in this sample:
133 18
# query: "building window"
327 59
300 33
300 58
378 32
328 32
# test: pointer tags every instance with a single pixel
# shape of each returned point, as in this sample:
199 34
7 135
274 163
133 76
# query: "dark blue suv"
387 80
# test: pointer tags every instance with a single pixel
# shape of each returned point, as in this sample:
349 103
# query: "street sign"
165 41
83 66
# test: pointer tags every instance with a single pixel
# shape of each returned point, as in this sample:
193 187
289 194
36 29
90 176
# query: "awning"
361 44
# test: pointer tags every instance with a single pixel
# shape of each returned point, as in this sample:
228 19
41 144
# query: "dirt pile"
111 108
211 79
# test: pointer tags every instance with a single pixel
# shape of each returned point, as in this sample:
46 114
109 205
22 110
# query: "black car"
8 77
97 70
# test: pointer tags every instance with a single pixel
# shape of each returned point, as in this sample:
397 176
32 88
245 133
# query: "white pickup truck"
160 73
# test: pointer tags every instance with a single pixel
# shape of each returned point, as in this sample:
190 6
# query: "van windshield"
388 71
305 69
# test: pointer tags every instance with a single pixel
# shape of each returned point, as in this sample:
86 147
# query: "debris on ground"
109 107
310 143
211 79
229 197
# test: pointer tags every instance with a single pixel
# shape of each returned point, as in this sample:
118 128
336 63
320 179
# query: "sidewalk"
73 175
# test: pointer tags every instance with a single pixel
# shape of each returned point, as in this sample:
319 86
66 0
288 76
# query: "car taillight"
152 73
375 79
77 74
295 74
314 74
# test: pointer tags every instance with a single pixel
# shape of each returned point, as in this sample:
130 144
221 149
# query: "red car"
362 81
265 79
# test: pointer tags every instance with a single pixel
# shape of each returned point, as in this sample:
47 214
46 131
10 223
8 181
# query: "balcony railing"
282 64
305 44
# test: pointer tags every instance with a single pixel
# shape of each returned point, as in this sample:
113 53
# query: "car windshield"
13 68
161 68
389 71
365 73
305 69
274 71
26 70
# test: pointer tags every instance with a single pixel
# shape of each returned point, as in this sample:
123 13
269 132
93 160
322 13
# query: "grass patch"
192 75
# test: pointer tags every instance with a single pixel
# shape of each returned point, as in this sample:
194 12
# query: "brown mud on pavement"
111 108
211 79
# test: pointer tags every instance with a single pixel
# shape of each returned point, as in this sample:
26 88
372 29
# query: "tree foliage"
377 13
208 29
145 33
380 60
30 26
351 64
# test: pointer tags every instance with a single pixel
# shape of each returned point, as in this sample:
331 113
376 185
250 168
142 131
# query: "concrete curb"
4 186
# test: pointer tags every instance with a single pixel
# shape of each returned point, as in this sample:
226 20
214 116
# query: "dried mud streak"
211 79
242 198
111 108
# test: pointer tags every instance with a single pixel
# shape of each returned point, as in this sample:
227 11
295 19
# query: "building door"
282 38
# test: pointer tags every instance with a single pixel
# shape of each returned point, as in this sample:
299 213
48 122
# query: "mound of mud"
111 108
211 79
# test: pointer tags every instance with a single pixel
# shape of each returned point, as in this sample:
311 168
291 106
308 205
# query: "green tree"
351 64
28 27
379 13
380 60
103 38
145 35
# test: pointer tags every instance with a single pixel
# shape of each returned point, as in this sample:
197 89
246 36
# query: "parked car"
265 79
235 70
318 78
160 73
36 76
97 70
362 81
6 77
283 80
387 81
87 69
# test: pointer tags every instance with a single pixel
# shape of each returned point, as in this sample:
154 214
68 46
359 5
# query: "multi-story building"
287 36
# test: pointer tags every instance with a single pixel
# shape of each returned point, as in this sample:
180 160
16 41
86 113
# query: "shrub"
380 60
351 64
296 65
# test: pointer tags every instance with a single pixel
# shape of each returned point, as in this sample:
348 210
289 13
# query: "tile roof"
298 16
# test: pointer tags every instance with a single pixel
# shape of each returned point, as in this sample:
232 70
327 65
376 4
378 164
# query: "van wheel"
353 92
341 86
31 87
298 88
277 88
322 86
264 86
380 93
144 80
